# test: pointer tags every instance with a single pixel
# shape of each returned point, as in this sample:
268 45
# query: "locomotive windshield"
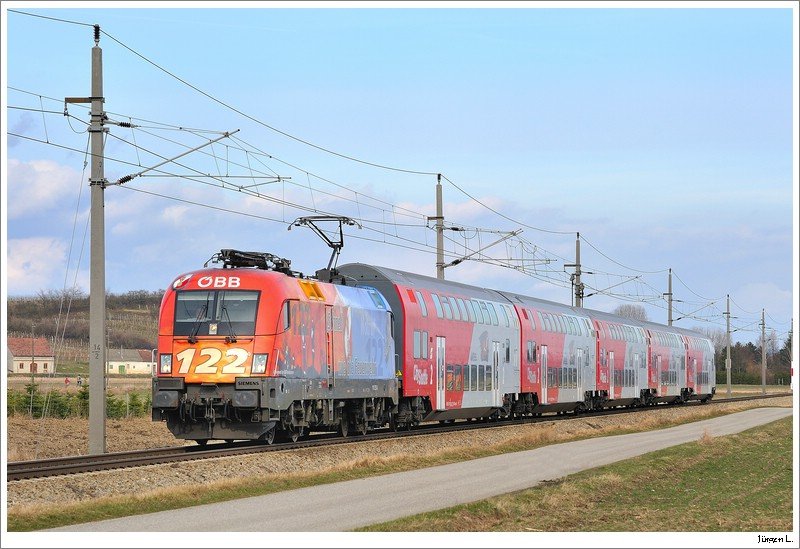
216 312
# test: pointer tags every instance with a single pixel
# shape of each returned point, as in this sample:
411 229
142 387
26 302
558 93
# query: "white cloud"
175 215
755 296
39 185
35 264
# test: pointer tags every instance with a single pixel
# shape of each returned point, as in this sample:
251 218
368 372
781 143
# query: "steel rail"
32 469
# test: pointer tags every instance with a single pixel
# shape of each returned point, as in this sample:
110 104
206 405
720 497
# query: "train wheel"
363 428
294 434
344 426
201 441
393 423
269 436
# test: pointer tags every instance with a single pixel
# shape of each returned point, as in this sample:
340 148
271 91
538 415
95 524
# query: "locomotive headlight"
165 365
259 364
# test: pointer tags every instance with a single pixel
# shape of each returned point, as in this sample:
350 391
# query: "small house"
129 361
30 355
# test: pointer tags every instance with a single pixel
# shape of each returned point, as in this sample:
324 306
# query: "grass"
743 390
37 517
741 482
73 368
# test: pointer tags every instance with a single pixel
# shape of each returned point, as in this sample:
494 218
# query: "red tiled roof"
145 354
21 346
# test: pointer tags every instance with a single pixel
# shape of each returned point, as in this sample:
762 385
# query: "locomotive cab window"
223 312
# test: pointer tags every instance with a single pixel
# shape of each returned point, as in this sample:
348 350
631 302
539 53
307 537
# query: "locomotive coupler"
210 413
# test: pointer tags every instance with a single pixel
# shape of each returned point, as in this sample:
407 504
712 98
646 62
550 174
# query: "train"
252 350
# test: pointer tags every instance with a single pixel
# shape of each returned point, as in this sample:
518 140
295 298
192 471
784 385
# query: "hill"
132 320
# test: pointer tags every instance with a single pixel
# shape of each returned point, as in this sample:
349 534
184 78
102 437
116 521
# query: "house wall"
130 367
43 365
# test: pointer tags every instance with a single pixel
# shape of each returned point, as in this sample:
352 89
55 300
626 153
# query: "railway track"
21 470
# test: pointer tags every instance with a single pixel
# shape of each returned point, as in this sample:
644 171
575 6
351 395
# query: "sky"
665 137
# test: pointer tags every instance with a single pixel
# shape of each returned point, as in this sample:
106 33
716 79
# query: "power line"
52 18
221 179
222 186
743 309
240 148
341 186
326 180
425 249
504 216
541 274
595 248
695 293
261 122
13 107
778 321
162 126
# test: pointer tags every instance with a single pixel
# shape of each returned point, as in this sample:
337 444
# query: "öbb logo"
218 282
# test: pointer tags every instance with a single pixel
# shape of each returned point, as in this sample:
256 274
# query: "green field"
736 483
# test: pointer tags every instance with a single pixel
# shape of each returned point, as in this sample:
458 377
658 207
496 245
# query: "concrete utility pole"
669 299
97 275
33 357
791 368
439 229
763 355
577 285
728 359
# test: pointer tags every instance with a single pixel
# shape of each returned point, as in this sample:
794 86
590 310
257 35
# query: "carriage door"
440 366
579 373
659 379
329 344
545 376
497 377
611 374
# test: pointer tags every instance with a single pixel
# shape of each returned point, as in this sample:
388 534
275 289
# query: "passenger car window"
422 306
438 305
456 313
493 314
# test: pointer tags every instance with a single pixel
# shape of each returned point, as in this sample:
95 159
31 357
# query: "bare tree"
718 336
772 343
636 312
